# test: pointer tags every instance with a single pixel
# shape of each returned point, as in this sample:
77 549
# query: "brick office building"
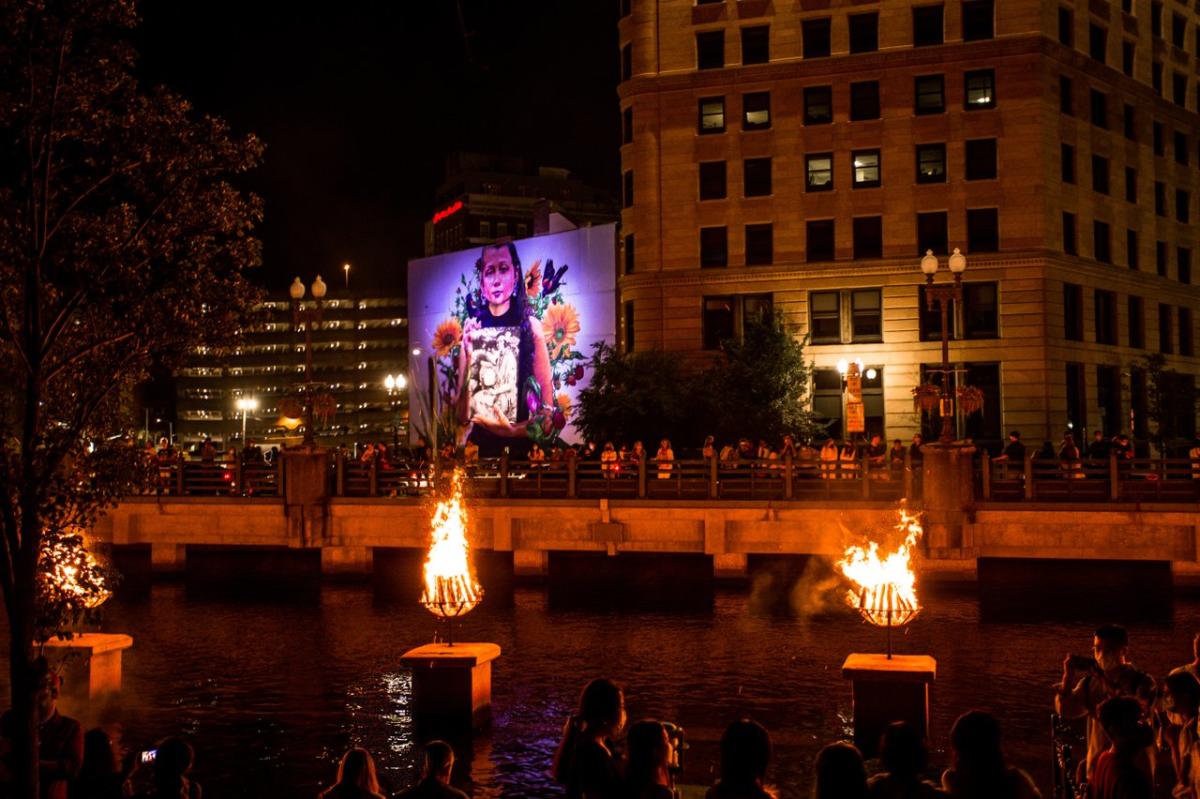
801 155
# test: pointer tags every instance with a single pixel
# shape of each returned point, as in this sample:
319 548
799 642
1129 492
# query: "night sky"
359 103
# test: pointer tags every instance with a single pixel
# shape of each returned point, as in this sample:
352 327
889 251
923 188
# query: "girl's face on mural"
498 276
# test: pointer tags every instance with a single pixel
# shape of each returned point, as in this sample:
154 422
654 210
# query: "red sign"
449 210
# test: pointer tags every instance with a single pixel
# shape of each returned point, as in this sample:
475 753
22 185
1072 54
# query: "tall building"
361 339
802 156
487 197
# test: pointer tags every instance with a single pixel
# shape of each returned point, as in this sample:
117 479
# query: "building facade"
489 197
802 156
361 339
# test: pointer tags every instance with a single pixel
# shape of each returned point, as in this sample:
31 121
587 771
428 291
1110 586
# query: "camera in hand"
675 736
1085 663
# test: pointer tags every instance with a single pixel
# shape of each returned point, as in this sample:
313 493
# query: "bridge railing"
219 478
1090 480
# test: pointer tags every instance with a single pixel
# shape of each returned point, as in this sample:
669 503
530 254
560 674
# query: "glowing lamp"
318 288
958 262
296 290
389 383
929 264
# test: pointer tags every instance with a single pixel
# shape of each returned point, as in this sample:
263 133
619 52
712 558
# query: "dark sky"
359 103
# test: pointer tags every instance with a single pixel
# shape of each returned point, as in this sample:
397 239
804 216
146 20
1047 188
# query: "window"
627 193
522 230
626 8
1181 148
864 33
1067 159
827 400
930 91
1076 394
1106 317
1186 345
627 126
980 89
1066 95
927 26
756 174
1131 249
1066 27
1156 19
1179 89
1137 401
1182 205
866 315
1160 258
1166 342
712 180
1137 322
501 228
1160 198
1156 78
931 163
1158 138
929 320
485 228
759 244
1097 42
825 322
714 248
981 159
931 233
819 171
627 62
1127 50
629 254
980 311
1099 108
1102 244
717 321
818 105
983 230
1183 264
1099 174
868 237
1068 234
1073 312
816 37
756 45
629 326
756 111
1178 30
819 244
712 115
865 168
1108 397
1130 123
977 20
1130 184
864 100
710 50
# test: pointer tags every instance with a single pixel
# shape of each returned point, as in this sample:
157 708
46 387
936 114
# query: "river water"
271 689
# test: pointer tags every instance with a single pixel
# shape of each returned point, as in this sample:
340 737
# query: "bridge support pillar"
729 566
168 559
531 562
306 496
949 495
347 561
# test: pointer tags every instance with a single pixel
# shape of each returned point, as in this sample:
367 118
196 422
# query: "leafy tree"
1171 400
759 390
122 243
638 396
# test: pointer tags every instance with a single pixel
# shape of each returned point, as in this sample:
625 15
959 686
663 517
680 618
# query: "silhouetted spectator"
1123 770
172 761
1112 675
1192 668
904 756
355 777
100 776
584 762
978 770
208 452
1180 707
648 762
840 773
1099 449
745 755
435 775
60 738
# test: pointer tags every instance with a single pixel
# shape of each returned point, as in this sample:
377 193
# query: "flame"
68 570
450 587
885 587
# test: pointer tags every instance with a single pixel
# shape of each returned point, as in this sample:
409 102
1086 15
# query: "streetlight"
307 317
346 270
940 297
245 405
394 385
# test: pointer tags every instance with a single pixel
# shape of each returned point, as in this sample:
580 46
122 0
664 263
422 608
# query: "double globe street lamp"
245 405
395 384
307 317
940 297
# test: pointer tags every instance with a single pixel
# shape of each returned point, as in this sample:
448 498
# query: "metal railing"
1089 480
219 478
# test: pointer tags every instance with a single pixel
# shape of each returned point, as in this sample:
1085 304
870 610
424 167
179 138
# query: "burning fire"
72 575
450 587
885 587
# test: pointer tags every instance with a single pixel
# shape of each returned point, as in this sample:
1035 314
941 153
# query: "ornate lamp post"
307 317
245 405
394 385
940 297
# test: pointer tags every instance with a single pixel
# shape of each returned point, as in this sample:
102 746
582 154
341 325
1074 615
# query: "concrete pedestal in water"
948 491
886 690
452 685
90 664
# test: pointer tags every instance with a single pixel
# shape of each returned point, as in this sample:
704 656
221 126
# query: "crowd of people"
1140 739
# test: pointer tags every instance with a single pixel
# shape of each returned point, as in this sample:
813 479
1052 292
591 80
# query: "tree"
759 390
122 244
1171 400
